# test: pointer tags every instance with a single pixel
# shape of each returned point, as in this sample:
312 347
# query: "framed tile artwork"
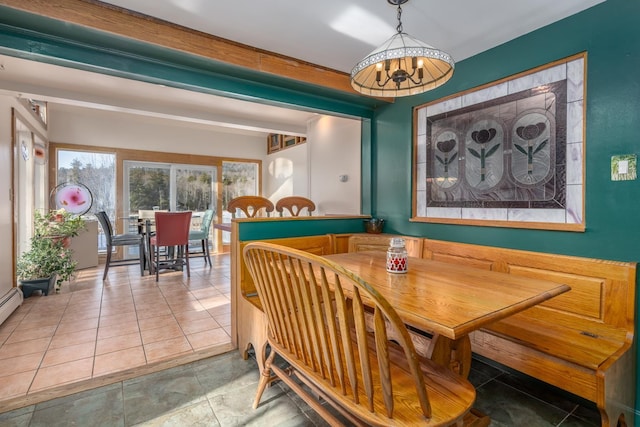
506 154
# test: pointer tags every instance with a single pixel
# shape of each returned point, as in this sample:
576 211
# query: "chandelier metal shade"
402 66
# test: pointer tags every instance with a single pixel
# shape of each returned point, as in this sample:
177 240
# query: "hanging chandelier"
402 66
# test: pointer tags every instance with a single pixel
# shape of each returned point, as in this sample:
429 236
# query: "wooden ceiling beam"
125 23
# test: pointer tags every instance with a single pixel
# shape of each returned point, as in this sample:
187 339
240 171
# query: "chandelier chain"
399 27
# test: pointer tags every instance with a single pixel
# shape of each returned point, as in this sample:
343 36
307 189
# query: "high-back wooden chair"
316 319
251 206
295 204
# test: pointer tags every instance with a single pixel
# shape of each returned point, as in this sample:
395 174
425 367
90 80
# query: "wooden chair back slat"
286 308
251 206
282 310
312 342
300 324
363 346
337 359
295 204
316 321
382 351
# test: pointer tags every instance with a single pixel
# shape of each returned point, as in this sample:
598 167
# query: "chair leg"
107 262
150 260
265 378
204 251
142 255
157 266
186 259
208 253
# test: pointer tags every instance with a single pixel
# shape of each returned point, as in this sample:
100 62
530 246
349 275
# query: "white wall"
287 173
120 130
6 180
334 150
312 170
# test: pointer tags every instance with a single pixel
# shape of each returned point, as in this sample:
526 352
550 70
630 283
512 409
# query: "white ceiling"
338 33
331 33
67 89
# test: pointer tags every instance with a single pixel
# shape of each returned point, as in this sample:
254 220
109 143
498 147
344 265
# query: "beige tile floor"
93 333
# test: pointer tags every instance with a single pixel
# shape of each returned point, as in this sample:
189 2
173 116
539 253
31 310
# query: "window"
98 172
146 186
169 187
238 179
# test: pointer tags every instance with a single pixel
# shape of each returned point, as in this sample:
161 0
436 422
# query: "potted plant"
48 262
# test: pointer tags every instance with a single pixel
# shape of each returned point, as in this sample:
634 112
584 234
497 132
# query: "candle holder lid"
397 242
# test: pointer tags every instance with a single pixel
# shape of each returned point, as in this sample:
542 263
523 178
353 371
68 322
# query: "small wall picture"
40 153
288 141
624 167
274 142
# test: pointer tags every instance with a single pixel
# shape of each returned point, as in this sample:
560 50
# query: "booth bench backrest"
602 292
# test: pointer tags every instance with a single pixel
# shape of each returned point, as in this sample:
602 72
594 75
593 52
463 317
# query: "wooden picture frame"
277 142
509 153
38 109
274 143
288 141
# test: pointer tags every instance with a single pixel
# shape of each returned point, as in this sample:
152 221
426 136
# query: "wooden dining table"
449 301
223 226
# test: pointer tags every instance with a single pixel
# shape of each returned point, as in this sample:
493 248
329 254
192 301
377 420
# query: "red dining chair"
172 229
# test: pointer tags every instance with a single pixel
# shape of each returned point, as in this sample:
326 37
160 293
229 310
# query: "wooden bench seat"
589 349
582 341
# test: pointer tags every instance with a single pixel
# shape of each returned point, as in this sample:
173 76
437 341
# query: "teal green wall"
295 227
610 35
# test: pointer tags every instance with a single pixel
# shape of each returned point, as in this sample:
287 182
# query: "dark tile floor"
219 391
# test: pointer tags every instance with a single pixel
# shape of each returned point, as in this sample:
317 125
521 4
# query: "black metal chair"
127 239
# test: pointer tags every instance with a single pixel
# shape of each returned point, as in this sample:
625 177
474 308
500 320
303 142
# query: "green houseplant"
49 257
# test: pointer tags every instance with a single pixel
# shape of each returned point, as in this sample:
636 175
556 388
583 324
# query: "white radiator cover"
9 302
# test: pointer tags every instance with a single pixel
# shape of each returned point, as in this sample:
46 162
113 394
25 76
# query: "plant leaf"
492 150
452 158
474 152
520 149
541 146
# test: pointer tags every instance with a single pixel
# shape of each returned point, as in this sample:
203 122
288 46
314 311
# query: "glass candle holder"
397 256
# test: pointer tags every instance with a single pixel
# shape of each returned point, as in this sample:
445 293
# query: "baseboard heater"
9 302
